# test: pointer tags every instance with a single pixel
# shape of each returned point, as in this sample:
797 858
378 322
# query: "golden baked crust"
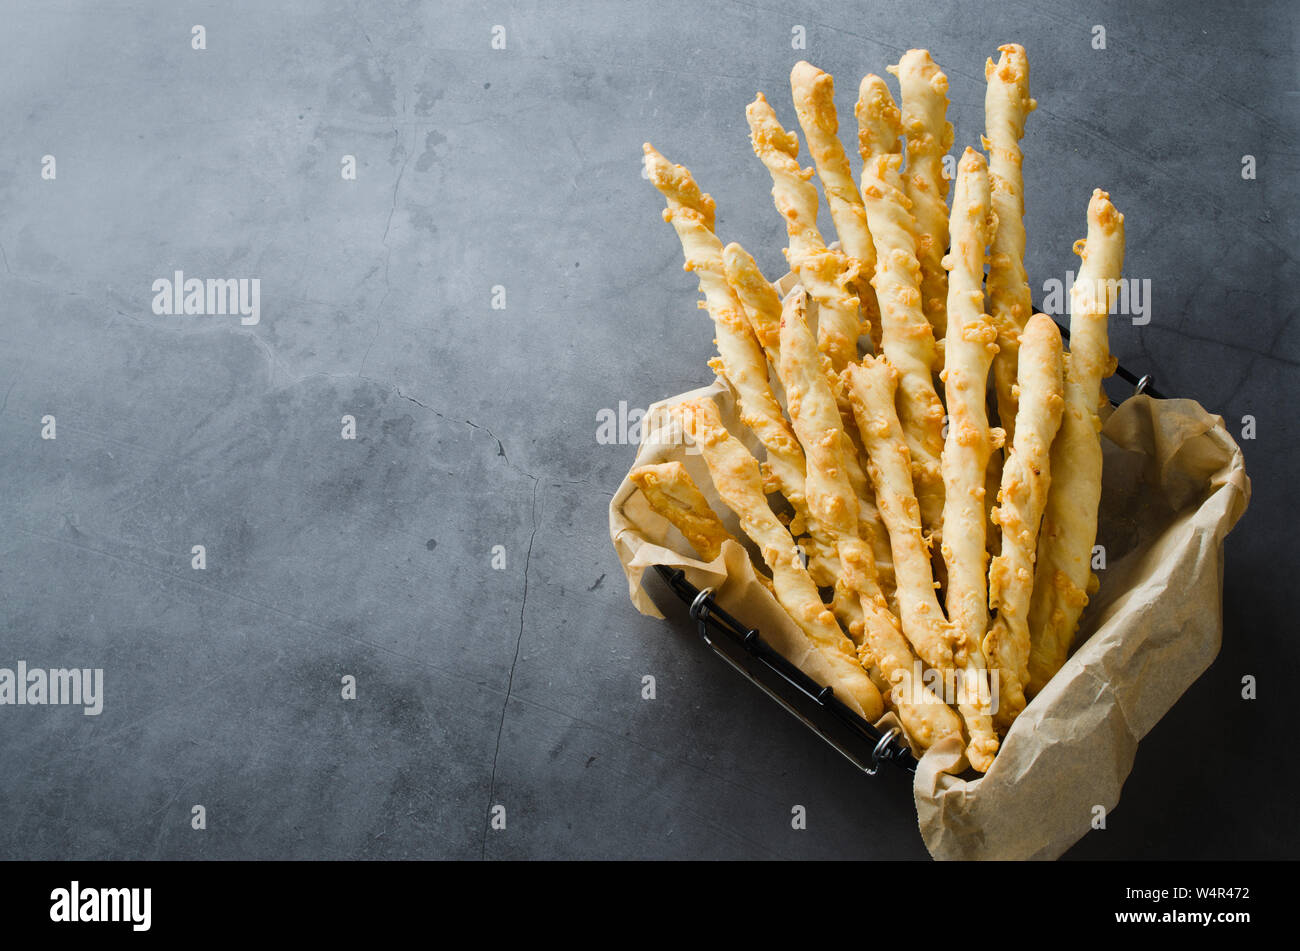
741 359
968 353
672 493
929 134
871 385
823 272
894 513
832 505
924 715
908 339
1026 477
1006 104
814 101
757 295
1062 576
880 122
816 421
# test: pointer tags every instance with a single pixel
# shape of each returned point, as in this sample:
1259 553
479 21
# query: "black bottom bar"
336 901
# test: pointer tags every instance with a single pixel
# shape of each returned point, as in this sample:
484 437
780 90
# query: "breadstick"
832 501
832 506
820 270
809 257
759 298
671 492
929 137
1062 576
868 517
816 420
870 386
838 494
763 306
1006 104
880 129
1026 476
741 357
924 715
764 309
880 123
822 557
814 102
908 339
969 352
736 477
870 526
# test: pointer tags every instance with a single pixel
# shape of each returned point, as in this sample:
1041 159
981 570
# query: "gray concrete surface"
476 426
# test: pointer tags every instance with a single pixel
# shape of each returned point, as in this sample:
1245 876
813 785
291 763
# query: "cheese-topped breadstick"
814 102
822 271
742 362
816 421
820 548
736 477
880 127
907 337
672 493
834 504
968 353
1069 529
929 137
1006 104
757 295
880 123
1026 476
764 308
924 715
870 386
872 527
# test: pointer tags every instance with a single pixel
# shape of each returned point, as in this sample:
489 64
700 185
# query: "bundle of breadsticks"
927 506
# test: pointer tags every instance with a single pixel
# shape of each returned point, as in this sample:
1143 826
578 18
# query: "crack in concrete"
501 449
510 680
388 251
